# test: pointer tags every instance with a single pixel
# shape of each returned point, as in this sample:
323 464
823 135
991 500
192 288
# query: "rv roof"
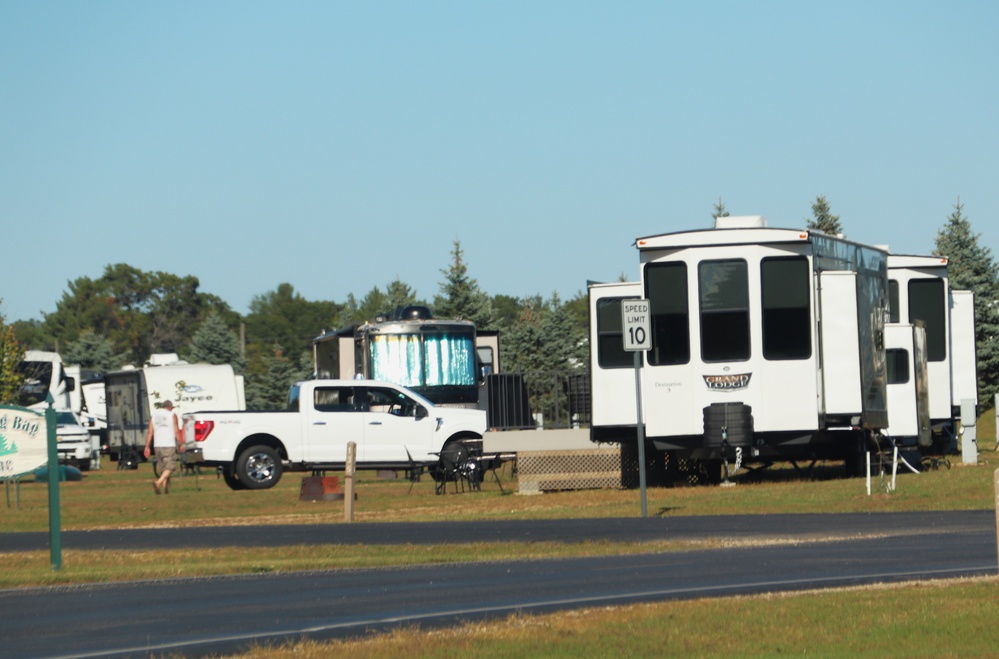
911 261
741 222
722 237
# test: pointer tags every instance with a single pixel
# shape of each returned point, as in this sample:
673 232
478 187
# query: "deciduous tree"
11 354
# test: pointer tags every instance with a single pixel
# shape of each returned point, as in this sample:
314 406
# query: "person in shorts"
165 438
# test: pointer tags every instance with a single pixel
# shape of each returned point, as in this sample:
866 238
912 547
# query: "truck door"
333 419
391 426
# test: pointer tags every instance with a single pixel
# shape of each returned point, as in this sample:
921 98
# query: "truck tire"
229 476
258 468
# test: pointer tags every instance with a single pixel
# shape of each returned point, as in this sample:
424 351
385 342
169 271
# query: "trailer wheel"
258 468
230 478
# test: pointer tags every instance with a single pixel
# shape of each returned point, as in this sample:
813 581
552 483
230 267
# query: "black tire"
83 465
230 478
258 468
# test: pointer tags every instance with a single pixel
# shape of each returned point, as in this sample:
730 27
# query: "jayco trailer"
766 344
132 394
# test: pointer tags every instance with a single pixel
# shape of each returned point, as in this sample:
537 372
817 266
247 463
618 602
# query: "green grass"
946 618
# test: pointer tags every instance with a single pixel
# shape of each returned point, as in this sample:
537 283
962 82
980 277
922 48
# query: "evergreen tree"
268 389
399 295
822 219
719 209
461 298
215 343
92 351
11 354
971 267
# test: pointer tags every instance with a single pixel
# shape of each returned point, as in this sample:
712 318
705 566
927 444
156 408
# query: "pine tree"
971 267
399 295
719 209
461 298
214 343
92 351
822 219
268 390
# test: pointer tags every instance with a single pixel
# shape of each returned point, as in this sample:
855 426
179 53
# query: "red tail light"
202 429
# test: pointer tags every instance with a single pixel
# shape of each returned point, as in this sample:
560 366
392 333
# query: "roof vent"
741 222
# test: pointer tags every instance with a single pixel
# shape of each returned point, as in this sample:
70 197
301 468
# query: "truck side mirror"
421 412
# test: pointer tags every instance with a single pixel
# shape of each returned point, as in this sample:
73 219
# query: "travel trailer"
132 394
767 344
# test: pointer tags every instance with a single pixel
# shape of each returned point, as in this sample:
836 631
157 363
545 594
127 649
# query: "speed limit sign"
637 325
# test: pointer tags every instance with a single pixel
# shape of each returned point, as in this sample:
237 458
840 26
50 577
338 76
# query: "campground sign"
23 441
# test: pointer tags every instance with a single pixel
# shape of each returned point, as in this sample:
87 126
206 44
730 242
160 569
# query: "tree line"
126 314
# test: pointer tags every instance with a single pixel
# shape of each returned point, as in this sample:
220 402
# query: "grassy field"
949 618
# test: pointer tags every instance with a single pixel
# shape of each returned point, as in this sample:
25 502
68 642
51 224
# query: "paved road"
225 614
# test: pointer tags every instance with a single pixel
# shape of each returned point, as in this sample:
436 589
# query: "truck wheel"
229 476
258 468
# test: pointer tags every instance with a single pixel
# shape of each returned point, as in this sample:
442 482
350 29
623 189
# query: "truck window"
666 290
390 401
723 289
928 303
610 338
787 330
334 399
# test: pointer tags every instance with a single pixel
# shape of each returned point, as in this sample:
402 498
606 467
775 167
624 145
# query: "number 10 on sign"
637 325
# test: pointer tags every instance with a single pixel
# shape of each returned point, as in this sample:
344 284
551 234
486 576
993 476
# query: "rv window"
666 290
787 332
927 302
610 339
898 365
724 303
893 308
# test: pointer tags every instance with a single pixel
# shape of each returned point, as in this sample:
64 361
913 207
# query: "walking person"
164 435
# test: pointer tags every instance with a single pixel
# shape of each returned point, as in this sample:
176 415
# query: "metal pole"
641 432
55 523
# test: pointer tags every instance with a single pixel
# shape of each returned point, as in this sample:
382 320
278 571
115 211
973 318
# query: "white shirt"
164 435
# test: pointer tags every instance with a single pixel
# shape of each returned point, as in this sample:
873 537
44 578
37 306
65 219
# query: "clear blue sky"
336 146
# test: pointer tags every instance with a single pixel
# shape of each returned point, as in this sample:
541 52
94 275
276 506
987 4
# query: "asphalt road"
198 616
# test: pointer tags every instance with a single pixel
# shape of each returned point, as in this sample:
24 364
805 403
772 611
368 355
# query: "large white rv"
767 344
132 394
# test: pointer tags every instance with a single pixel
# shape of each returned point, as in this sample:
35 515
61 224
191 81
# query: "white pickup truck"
393 428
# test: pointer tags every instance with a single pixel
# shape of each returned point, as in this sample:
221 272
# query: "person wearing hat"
165 437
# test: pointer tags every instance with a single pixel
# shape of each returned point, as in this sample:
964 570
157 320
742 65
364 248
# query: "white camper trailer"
919 291
767 344
132 394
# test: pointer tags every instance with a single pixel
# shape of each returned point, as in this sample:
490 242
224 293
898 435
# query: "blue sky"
336 146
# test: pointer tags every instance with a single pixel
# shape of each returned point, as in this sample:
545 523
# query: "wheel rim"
260 467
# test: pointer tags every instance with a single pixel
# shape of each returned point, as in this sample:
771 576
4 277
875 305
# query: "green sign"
23 441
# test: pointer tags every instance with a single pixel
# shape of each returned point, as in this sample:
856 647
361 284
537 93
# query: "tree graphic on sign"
4 450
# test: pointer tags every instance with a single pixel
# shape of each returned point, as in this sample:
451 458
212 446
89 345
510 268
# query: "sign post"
28 441
637 325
